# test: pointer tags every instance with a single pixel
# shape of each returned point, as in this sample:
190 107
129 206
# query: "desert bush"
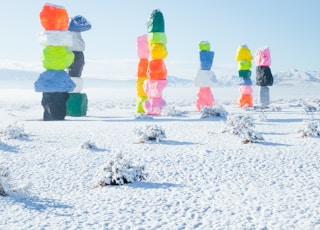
310 128
2 192
242 126
120 171
207 111
3 174
151 133
90 145
13 131
171 111
143 116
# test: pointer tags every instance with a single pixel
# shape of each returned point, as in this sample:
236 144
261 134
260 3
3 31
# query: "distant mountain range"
296 77
19 78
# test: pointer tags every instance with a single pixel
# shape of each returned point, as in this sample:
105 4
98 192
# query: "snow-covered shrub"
262 116
143 116
9 185
310 129
2 192
13 131
242 126
171 111
261 111
309 109
89 145
3 174
120 171
275 108
310 126
150 133
272 108
207 111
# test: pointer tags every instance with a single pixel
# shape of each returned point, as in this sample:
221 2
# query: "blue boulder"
54 81
79 24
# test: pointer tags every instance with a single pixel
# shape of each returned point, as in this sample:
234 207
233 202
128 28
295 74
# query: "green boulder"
77 104
155 22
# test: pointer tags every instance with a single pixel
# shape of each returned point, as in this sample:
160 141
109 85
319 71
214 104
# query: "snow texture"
197 177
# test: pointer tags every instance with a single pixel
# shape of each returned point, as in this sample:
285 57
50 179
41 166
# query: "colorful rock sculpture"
77 103
264 76
143 54
244 58
157 71
205 78
55 83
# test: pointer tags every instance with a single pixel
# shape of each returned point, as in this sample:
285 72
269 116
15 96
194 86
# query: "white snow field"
197 177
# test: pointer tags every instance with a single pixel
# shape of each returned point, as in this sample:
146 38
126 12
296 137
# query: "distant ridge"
294 77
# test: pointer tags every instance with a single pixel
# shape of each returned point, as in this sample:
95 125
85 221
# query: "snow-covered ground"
197 177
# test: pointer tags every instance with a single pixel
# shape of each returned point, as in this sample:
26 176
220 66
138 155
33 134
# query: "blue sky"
289 27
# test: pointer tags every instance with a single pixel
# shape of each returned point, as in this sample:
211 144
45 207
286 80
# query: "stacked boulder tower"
264 76
77 103
143 54
55 83
244 58
157 71
205 78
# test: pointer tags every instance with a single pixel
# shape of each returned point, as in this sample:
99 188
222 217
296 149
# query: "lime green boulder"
57 57
204 46
139 107
244 65
157 37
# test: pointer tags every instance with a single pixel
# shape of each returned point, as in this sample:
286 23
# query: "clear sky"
289 27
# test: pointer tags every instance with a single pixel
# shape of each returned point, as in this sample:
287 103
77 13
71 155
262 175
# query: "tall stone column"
143 54
205 78
55 83
77 103
244 58
264 77
157 71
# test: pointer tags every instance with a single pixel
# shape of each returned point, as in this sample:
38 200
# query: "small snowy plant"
207 111
150 133
310 129
3 174
14 131
2 192
89 145
310 126
120 171
309 109
142 116
171 111
243 126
